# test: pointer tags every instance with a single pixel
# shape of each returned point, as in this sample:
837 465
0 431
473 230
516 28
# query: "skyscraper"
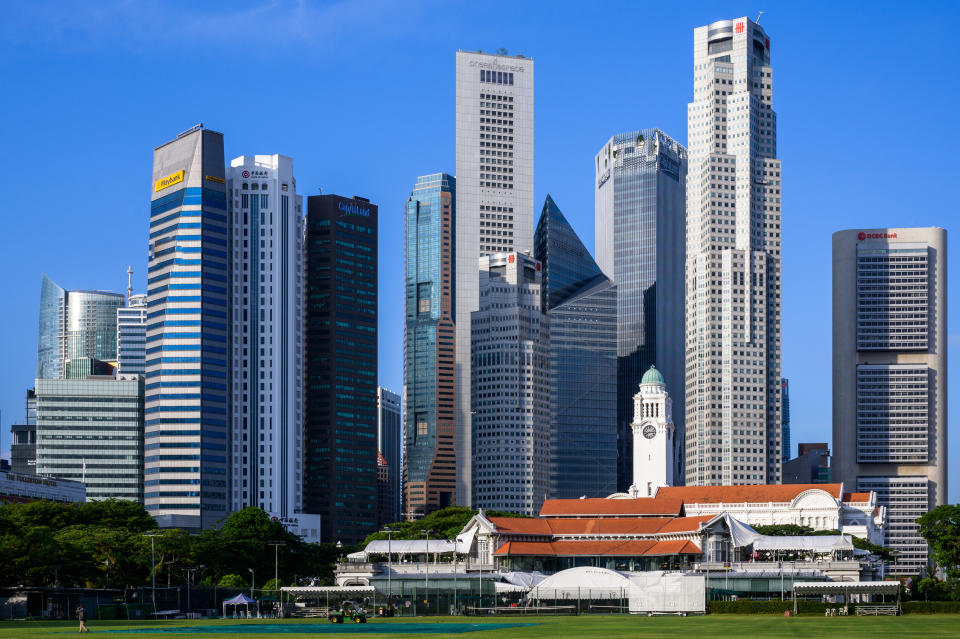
23 446
132 336
266 339
494 198
389 446
340 392
429 345
785 420
511 402
75 326
890 376
91 430
581 306
733 261
640 224
186 399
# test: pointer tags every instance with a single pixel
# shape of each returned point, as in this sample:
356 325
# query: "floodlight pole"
153 571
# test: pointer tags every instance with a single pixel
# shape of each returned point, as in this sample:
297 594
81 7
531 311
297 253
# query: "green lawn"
583 627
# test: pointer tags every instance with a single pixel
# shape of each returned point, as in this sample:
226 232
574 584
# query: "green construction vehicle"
348 610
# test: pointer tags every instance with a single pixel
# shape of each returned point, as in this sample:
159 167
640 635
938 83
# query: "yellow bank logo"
170 180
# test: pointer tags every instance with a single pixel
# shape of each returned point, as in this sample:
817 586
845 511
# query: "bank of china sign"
168 181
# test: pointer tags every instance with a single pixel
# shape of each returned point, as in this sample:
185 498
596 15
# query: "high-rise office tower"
390 447
77 327
429 347
340 391
640 222
266 337
91 430
785 420
511 401
581 305
132 336
494 198
23 447
187 405
890 376
733 261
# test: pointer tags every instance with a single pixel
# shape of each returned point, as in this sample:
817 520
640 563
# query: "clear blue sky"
361 95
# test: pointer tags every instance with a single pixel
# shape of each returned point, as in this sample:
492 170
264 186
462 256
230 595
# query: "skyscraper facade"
390 447
53 306
430 433
640 224
187 405
266 339
132 336
91 430
733 261
340 392
75 326
581 306
23 446
890 376
785 420
511 397
494 198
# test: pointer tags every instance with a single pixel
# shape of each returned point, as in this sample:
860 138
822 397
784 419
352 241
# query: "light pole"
426 570
153 570
276 564
389 532
190 572
252 578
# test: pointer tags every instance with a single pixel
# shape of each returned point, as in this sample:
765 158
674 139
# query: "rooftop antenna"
129 283
758 17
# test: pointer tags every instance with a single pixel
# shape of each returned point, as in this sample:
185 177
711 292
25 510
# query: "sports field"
582 627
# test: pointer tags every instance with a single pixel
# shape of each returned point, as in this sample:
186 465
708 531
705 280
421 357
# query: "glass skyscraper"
581 305
390 447
785 420
640 244
429 345
340 423
188 360
75 326
132 336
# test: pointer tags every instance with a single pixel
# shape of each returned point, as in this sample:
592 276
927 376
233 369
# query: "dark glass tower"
430 346
340 394
581 304
641 244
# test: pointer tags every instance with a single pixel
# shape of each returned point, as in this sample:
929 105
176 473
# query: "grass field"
583 627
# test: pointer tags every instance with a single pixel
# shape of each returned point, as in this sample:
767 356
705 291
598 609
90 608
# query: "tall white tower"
732 417
494 200
653 435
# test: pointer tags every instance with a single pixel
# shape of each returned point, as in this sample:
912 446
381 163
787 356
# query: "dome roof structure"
653 376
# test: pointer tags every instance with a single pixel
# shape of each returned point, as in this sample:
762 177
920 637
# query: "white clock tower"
653 434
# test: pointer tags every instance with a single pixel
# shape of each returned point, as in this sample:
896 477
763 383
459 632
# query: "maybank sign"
353 209
168 181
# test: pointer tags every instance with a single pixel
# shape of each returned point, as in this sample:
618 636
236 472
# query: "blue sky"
361 95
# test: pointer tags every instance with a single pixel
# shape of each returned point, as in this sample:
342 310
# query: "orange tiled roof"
521 525
607 525
741 494
600 507
628 548
856 497
685 524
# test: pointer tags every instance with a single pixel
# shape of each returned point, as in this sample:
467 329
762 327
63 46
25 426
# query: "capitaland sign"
862 235
168 181
603 178
496 66
352 209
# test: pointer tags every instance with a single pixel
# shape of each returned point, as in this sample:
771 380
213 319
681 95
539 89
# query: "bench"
878 610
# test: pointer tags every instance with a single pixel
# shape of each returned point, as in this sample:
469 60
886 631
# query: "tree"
445 523
941 528
231 581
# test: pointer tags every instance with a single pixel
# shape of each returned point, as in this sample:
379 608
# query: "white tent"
652 592
586 582
812 543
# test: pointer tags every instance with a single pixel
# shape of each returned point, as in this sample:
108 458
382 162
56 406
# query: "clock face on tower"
649 431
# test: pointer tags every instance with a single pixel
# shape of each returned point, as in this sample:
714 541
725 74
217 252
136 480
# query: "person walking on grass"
82 616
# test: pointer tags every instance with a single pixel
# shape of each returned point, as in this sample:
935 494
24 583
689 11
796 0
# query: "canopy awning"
842 587
328 590
409 547
813 543
240 599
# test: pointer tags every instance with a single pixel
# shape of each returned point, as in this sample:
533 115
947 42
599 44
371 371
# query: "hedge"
930 607
749 606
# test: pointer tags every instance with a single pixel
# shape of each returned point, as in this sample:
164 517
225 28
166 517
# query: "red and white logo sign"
245 174
739 27
510 259
875 236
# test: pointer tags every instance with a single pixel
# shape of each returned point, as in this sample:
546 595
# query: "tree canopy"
445 523
941 528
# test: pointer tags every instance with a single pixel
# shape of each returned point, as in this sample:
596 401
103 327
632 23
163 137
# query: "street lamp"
153 571
276 564
190 572
252 577
389 532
